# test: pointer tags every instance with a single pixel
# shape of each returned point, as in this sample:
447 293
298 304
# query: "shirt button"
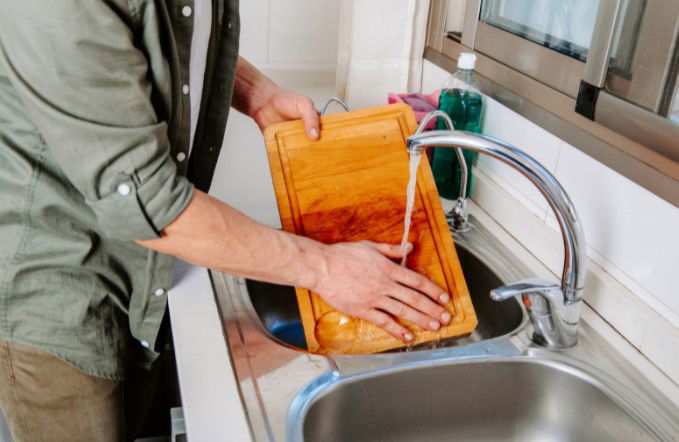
124 189
228 25
159 292
186 11
181 156
144 344
185 89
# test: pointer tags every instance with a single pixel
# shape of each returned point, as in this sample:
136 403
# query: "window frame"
635 142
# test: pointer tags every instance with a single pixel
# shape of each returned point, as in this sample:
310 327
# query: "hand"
257 96
284 105
359 280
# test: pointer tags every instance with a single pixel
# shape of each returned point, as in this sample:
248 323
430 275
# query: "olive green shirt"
92 114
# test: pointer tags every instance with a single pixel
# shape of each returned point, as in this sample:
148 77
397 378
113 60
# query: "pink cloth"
421 104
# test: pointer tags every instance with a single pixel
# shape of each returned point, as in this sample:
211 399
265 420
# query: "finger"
418 282
390 250
306 109
411 315
422 303
387 323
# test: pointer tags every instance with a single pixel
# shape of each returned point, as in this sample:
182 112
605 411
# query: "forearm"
252 89
214 235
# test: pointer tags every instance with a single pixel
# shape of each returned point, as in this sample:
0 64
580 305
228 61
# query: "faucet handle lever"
554 319
526 286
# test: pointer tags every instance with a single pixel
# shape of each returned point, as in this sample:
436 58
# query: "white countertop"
211 403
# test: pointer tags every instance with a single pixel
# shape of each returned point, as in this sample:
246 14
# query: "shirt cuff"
140 211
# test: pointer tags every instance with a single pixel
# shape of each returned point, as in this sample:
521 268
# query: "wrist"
259 97
313 266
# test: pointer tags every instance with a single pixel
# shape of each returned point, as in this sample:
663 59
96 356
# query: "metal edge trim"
652 63
225 295
436 25
638 124
599 54
471 19
547 66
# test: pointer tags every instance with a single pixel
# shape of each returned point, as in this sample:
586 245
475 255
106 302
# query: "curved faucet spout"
459 218
573 276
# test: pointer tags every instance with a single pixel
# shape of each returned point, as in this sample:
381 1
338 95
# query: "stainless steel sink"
509 400
494 385
277 308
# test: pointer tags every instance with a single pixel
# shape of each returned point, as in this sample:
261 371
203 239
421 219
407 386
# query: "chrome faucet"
554 309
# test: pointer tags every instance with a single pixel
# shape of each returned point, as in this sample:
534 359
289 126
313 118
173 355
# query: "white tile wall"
632 235
502 123
304 31
293 34
634 230
294 42
254 33
433 77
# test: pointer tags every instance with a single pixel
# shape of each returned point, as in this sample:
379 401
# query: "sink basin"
480 401
276 306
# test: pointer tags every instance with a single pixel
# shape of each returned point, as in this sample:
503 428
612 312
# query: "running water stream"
410 202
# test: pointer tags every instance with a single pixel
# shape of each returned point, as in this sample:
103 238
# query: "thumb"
306 109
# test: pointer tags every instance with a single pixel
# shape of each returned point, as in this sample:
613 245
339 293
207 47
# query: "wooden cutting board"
349 186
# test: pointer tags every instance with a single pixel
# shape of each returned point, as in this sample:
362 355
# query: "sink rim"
654 419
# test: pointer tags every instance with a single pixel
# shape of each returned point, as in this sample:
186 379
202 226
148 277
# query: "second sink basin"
510 400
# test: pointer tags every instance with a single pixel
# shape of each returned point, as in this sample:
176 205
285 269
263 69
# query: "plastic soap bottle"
461 99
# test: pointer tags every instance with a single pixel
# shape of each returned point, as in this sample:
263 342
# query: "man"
112 114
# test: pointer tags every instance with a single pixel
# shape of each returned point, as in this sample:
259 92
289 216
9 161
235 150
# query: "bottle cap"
467 60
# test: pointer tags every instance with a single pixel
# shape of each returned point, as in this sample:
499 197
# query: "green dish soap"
463 102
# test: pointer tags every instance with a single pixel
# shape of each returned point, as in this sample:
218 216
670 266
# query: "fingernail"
434 325
445 317
444 298
408 337
313 132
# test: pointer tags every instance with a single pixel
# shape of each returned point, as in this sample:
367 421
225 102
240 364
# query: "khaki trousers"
46 399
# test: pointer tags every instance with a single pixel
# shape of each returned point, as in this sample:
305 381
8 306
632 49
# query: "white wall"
632 235
290 34
295 43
